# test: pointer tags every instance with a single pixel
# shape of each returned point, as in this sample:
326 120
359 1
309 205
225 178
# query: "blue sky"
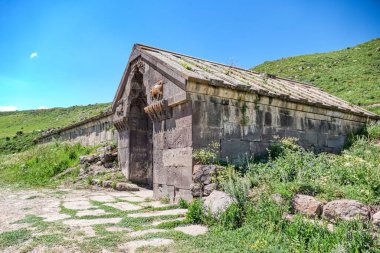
72 52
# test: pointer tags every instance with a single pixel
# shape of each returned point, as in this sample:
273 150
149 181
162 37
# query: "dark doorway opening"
140 136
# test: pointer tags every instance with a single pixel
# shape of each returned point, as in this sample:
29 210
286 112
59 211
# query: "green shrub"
233 217
207 155
195 213
183 203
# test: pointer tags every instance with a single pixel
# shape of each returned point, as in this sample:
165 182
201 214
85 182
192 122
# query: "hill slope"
352 73
34 120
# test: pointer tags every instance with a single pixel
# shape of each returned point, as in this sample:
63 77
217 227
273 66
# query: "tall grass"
38 165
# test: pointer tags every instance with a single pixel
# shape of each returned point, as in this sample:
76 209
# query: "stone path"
68 220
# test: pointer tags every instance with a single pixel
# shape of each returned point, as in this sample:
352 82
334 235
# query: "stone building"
89 132
168 104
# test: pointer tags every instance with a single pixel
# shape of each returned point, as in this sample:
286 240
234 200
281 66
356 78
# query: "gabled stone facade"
167 105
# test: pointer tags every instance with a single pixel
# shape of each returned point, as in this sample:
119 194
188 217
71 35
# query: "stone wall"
92 131
246 124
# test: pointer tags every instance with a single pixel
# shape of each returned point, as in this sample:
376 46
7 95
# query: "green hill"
352 73
19 128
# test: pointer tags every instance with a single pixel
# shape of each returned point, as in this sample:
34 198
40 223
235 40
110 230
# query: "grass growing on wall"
37 166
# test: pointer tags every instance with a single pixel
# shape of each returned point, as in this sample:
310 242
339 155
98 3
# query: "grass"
37 166
13 237
19 129
352 73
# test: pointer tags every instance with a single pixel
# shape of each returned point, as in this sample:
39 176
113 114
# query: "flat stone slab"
154 204
103 198
77 205
144 194
55 217
93 212
133 199
132 246
158 213
121 194
192 230
118 229
158 222
91 222
147 231
124 206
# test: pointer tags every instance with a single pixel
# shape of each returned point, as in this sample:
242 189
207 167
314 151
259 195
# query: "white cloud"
33 55
43 108
8 108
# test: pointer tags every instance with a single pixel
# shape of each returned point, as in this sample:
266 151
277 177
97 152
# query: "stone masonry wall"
245 123
89 132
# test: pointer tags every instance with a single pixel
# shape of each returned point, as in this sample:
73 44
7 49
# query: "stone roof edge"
286 98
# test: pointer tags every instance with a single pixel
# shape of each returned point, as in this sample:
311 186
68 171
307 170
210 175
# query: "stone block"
179 137
234 148
180 157
180 177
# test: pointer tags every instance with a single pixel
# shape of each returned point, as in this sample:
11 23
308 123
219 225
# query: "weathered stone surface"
208 189
196 189
192 230
124 206
345 209
307 205
158 213
91 222
132 246
204 173
376 219
179 157
126 187
217 202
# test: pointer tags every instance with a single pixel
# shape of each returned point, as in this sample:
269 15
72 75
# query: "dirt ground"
68 220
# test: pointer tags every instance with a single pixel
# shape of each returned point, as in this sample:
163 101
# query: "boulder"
217 203
88 159
108 165
126 187
107 157
196 189
376 219
204 173
345 209
107 184
207 189
307 205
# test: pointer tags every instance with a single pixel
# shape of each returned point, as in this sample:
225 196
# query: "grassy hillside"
352 73
34 120
19 129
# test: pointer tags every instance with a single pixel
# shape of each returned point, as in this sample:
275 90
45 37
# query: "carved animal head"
156 92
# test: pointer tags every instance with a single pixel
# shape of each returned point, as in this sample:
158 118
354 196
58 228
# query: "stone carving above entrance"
157 91
158 111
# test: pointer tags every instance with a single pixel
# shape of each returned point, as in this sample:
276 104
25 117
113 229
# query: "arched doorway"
140 135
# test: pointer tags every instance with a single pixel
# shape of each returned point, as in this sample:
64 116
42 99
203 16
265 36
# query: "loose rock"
208 189
196 189
345 209
376 219
217 202
307 205
126 187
